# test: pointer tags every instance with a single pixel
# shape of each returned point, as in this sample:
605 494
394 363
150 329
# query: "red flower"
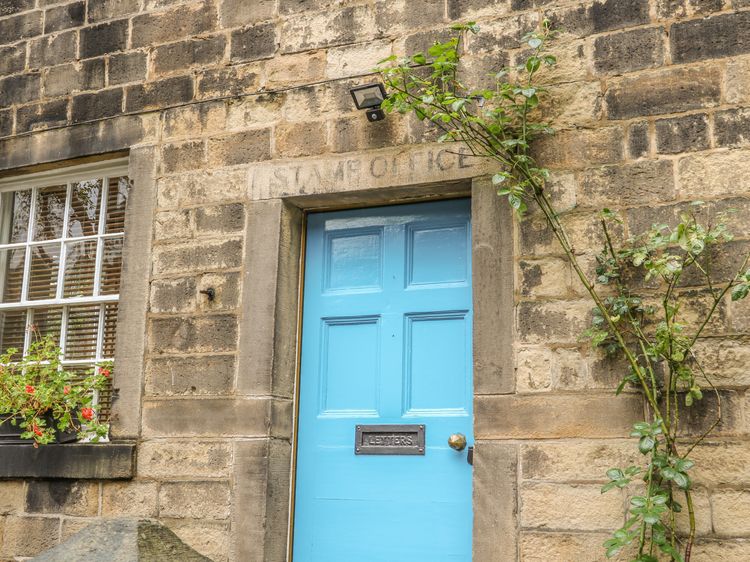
104 372
36 429
66 390
30 389
87 413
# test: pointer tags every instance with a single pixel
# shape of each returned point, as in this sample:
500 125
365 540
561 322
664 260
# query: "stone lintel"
100 461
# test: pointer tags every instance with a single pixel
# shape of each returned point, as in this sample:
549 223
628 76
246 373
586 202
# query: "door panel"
386 340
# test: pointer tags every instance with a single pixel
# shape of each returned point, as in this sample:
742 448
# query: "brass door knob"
457 441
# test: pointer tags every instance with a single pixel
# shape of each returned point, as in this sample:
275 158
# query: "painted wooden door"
386 340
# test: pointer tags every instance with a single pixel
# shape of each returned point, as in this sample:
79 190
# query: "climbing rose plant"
640 314
42 397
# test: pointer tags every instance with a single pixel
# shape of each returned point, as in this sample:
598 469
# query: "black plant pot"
11 434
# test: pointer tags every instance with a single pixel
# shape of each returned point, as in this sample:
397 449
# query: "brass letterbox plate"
389 440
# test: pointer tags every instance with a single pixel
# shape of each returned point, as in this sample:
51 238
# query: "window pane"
117 197
12 331
50 212
110 330
111 267
85 202
45 262
15 208
11 273
80 263
83 327
47 322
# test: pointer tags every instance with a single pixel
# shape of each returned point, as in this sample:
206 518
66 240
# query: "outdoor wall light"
369 97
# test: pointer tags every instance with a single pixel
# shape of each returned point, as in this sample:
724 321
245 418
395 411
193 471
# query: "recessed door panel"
386 360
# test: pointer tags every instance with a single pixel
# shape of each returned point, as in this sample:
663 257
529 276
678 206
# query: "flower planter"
11 434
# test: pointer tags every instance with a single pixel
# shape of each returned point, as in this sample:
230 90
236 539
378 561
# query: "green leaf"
740 292
682 480
528 92
646 444
535 42
419 58
515 201
497 179
614 473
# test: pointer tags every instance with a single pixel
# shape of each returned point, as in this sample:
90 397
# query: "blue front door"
386 341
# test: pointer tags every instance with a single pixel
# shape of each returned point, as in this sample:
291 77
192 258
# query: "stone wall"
234 104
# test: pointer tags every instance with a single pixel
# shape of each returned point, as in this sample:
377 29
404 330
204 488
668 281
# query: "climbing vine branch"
641 317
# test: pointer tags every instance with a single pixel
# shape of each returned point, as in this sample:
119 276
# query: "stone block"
182 258
186 54
29 536
204 375
231 81
127 67
70 78
12 59
130 499
722 550
254 42
196 500
41 115
227 288
710 38
240 148
6 122
545 278
574 104
351 134
9 7
235 13
210 417
708 175
103 39
556 416
581 148
220 219
546 546
682 134
20 27
295 69
601 15
576 461
53 49
577 507
668 9
354 60
194 119
21 88
262 109
99 105
159 94
553 321
638 140
300 139
702 507
539 369
210 538
306 31
183 156
738 80
630 184
12 496
173 295
198 188
732 127
731 513
69 497
495 501
697 420
167 460
193 335
171 225
502 34
64 17
630 50
107 9
462 9
183 20
663 91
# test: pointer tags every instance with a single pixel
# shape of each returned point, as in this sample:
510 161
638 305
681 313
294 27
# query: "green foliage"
648 330
38 387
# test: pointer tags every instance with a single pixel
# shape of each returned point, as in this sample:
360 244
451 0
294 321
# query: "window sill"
110 461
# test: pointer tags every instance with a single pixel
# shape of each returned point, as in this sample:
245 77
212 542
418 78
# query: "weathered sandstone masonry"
236 118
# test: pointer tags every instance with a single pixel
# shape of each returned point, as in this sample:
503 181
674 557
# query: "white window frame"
68 176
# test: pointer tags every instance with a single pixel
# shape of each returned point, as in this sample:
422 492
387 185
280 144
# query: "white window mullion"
63 246
29 237
99 240
27 330
100 332
63 330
